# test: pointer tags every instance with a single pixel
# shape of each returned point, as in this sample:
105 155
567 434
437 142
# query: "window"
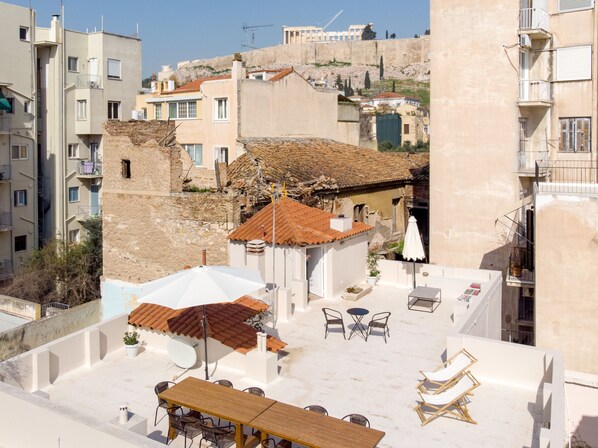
20 152
574 63
360 213
221 106
221 154
144 112
113 110
526 308
73 64
81 109
74 236
28 107
575 5
406 129
183 109
20 198
575 134
126 168
20 243
73 194
24 33
113 69
196 153
158 111
73 150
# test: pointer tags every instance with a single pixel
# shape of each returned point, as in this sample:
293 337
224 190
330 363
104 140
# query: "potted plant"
372 265
131 340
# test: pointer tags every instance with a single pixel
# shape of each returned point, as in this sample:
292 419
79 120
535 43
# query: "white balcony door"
524 65
315 270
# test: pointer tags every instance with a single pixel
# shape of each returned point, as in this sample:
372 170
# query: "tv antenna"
250 29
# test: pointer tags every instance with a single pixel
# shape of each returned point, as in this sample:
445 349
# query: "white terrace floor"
370 378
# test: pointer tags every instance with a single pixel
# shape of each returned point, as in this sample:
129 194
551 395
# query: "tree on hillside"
381 68
338 83
350 90
346 89
393 35
368 33
367 83
387 34
394 85
416 36
427 33
146 83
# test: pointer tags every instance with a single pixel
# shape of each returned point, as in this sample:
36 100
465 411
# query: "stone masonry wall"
151 228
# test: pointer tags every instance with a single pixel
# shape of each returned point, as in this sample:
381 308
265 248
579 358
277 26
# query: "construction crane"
252 33
333 19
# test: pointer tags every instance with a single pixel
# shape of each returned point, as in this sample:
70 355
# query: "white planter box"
365 288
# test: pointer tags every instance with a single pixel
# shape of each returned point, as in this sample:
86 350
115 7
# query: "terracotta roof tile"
225 322
307 160
296 224
387 95
195 85
281 74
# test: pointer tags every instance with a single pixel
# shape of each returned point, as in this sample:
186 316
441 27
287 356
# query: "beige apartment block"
18 149
415 122
84 79
211 114
514 98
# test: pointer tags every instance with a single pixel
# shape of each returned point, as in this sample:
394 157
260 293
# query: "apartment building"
56 92
513 160
211 114
18 169
83 79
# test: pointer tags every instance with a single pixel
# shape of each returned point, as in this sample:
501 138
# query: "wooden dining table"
269 416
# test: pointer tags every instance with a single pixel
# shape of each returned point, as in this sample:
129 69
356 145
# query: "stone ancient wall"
396 52
152 228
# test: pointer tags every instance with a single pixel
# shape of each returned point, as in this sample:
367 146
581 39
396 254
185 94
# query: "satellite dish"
182 352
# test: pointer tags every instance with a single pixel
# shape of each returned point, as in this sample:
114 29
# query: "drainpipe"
63 191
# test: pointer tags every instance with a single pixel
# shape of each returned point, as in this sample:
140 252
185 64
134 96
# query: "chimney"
204 257
55 29
238 71
341 223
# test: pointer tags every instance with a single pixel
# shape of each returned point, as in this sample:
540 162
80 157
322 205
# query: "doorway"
315 271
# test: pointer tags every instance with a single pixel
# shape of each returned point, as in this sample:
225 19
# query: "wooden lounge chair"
449 371
451 401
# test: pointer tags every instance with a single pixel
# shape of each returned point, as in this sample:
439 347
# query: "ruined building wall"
152 228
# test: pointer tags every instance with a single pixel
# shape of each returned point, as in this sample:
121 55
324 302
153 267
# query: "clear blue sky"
176 30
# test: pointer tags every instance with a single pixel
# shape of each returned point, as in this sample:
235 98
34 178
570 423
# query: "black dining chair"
215 434
161 387
333 317
225 383
380 320
183 424
316 408
255 391
358 419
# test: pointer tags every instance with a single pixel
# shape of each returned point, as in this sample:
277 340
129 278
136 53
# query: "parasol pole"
205 340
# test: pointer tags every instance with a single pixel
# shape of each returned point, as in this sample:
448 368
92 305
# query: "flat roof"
372 378
10 321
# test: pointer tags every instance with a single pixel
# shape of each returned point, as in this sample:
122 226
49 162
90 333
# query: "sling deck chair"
449 371
451 401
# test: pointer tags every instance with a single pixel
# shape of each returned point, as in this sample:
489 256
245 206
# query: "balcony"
5 269
518 337
87 169
520 272
89 212
529 154
4 173
536 93
579 177
535 22
5 125
88 82
5 222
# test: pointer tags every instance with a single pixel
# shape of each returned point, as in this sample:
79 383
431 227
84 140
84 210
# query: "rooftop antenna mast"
251 42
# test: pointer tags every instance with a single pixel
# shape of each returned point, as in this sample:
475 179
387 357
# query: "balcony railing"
89 82
534 91
4 173
567 176
89 212
529 154
533 19
89 168
5 125
5 269
5 221
518 336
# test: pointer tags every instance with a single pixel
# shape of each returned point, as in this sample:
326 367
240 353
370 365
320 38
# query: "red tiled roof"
296 225
281 74
225 322
195 85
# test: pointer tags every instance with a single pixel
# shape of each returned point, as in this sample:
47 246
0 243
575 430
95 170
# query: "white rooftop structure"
72 387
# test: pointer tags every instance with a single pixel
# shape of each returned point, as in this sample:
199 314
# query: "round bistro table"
357 314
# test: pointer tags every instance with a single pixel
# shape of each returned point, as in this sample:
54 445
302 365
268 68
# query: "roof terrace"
86 375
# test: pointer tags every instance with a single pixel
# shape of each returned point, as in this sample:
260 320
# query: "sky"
178 30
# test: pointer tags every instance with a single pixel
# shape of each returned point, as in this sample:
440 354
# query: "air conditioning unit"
525 41
137 115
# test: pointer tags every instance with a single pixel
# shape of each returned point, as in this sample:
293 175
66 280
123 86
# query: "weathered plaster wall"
566 281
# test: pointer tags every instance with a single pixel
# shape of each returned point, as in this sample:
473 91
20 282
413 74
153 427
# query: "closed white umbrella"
413 249
202 285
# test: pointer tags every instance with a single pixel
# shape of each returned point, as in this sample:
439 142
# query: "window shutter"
574 63
571 5
113 68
